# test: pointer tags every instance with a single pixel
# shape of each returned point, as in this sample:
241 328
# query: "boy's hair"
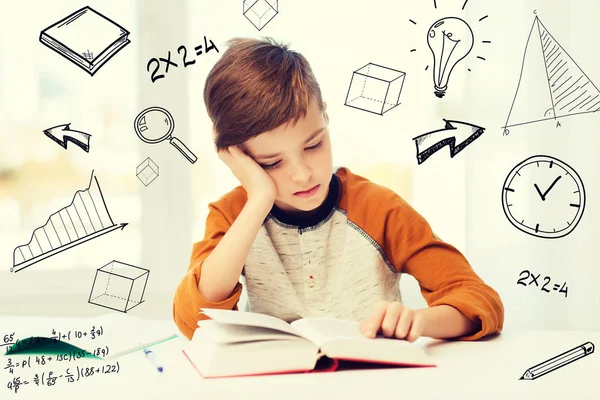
257 86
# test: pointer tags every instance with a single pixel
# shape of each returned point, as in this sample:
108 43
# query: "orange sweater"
340 262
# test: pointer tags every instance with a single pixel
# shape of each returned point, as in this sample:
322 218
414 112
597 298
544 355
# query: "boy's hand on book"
255 180
393 320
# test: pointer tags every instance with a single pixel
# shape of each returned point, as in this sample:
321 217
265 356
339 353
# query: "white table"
488 369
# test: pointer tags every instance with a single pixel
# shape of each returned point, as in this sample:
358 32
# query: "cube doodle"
119 286
260 12
147 171
375 88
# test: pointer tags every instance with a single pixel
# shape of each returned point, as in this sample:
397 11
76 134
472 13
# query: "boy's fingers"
373 322
416 329
392 315
404 324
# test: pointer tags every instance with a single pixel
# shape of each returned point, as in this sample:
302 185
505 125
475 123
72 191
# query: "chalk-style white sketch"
551 84
260 12
119 286
429 143
86 38
450 41
375 88
147 171
62 134
155 124
86 218
543 197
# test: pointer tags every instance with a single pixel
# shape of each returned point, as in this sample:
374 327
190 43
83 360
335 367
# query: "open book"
237 343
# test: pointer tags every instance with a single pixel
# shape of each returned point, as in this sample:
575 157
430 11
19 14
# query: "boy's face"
297 158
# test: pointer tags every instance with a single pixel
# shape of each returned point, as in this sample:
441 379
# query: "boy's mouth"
308 192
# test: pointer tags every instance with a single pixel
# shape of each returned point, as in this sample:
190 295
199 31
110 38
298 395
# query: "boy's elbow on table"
188 301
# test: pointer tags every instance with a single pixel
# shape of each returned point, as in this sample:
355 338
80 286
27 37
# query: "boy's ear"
325 112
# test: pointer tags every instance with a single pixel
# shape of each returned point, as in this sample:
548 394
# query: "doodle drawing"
119 286
558 361
86 218
450 40
429 143
260 12
551 84
543 197
86 38
375 88
155 124
147 171
62 134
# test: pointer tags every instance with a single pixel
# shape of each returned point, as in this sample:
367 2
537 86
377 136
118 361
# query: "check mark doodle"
543 195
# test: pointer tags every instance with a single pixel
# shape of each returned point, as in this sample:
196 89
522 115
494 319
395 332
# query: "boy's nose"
301 174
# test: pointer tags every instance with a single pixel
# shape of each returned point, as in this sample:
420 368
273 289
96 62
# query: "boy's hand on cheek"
254 179
393 320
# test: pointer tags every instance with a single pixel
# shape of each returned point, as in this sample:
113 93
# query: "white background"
459 196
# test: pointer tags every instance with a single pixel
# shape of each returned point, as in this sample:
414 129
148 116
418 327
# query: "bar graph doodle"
86 218
548 72
558 361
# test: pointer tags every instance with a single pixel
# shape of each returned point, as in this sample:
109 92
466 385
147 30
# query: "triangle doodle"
551 84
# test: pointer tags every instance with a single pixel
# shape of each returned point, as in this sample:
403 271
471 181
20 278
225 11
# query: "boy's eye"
316 146
275 164
268 166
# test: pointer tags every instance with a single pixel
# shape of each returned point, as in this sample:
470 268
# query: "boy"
309 241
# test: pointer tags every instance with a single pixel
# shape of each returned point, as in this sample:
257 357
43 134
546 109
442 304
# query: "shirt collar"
321 213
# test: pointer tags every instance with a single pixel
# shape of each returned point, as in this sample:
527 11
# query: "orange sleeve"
443 273
188 301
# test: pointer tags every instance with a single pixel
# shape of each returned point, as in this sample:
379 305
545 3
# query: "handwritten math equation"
533 279
185 60
70 375
69 356
19 344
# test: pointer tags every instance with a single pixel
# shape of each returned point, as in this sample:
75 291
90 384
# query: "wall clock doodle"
543 197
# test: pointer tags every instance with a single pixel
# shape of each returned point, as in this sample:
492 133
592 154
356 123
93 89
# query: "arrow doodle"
62 134
453 129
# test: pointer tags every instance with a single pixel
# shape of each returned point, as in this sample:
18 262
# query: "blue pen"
152 357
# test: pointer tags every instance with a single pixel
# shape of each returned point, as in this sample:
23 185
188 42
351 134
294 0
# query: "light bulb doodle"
450 40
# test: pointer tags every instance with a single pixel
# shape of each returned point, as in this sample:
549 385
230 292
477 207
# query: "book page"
321 329
249 319
230 333
342 339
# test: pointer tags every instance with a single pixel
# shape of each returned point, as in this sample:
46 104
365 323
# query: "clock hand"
538 190
551 186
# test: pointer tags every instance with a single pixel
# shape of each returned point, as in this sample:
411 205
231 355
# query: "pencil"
558 361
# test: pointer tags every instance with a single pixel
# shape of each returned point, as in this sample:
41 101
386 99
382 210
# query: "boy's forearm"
222 268
444 321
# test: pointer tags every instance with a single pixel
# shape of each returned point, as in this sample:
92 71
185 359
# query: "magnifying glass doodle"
155 124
